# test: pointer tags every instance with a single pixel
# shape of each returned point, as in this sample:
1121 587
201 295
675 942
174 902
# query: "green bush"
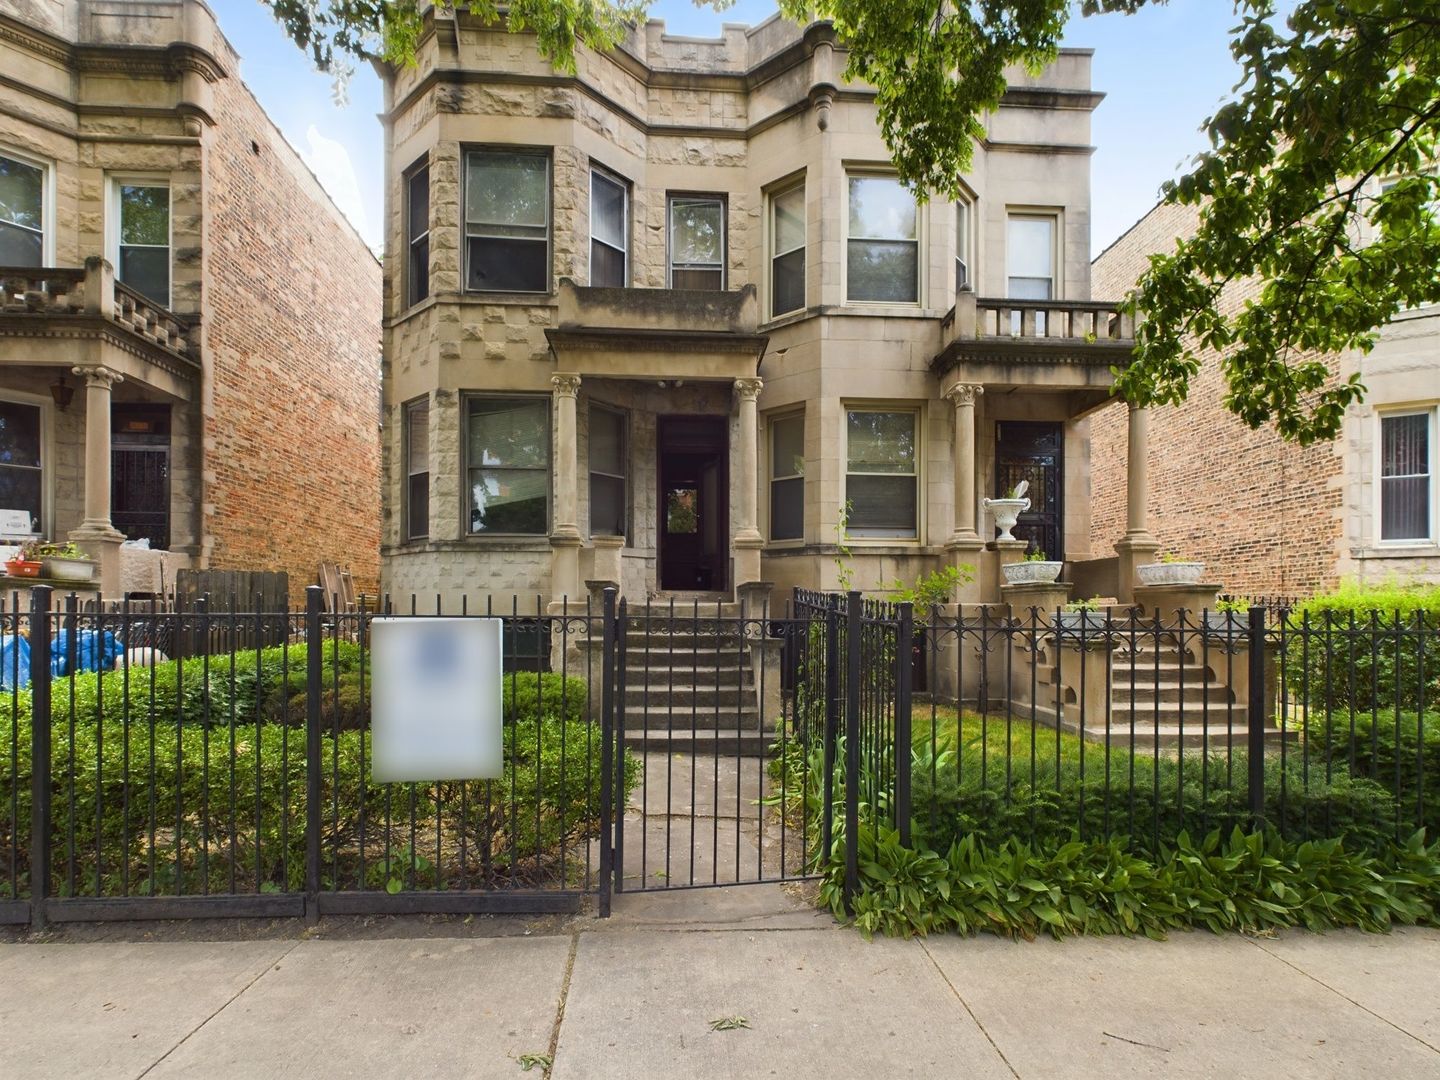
1400 753
159 807
1360 647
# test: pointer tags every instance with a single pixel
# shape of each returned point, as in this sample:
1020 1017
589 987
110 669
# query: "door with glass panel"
1034 451
692 454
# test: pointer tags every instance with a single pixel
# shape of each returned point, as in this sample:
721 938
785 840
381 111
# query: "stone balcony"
657 333
1035 344
54 307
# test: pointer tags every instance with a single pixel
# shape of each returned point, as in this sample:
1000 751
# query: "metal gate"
729 727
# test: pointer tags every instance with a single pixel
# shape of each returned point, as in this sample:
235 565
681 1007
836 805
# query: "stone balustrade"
1060 322
93 291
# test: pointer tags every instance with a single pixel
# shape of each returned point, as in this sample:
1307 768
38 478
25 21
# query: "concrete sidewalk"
637 996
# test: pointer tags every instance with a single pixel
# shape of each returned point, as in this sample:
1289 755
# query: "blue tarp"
92 651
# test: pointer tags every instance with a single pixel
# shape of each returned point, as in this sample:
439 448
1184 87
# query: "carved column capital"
98 375
749 389
566 384
963 394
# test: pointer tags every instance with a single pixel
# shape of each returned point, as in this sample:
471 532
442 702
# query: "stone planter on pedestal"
1031 573
1170 573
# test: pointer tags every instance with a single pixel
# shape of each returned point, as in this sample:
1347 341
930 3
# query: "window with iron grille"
1407 476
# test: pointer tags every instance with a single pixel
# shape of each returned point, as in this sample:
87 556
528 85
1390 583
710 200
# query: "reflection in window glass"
881 480
145 240
787 263
508 461
697 243
681 518
507 221
22 213
883 252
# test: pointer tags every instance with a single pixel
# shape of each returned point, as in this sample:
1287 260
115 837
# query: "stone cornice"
97 328
1033 351
154 61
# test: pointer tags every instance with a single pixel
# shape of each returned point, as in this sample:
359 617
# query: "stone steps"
707 742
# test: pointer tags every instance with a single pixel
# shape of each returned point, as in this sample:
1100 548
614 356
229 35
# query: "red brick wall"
1263 514
292 352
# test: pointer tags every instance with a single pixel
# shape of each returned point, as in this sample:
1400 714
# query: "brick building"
660 322
189 328
1269 517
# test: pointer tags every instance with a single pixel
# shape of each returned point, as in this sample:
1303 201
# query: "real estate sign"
435 699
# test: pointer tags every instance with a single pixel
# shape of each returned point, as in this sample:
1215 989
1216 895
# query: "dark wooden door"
692 453
1034 451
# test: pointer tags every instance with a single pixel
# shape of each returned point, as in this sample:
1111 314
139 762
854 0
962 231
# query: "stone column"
565 539
96 533
965 544
747 541
1137 546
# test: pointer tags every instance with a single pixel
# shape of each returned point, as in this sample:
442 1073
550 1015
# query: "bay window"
697 242
787 254
609 230
882 248
609 500
787 477
417 235
507 221
417 469
962 245
881 473
507 462
22 213
143 250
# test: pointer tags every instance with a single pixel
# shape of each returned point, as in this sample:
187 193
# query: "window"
962 245
508 459
697 242
417 469
20 464
1030 252
609 230
507 221
787 477
417 235
882 249
143 251
609 505
1407 476
787 260
881 479
22 213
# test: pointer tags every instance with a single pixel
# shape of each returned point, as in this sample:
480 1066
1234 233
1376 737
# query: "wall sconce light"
63 393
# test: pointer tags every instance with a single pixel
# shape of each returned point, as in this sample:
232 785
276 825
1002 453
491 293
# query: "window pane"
787 446
607 442
20 490
418 203
1031 247
697 235
881 208
1405 508
607 266
1030 288
881 271
417 434
507 189
880 442
510 433
508 500
1406 449
19 434
607 210
21 194
787 286
880 505
709 280
508 265
417 505
787 509
20 247
145 215
147 271
789 220
962 245
607 505
680 516
419 279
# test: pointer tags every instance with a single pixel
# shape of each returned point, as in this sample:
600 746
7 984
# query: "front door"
692 452
140 472
1034 451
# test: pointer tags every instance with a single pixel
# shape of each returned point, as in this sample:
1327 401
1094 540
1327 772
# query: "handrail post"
40 793
314 679
832 729
904 677
852 748
607 751
1255 717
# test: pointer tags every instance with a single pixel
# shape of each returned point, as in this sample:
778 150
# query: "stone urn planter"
1227 622
1007 511
1170 573
1031 573
1072 622
64 568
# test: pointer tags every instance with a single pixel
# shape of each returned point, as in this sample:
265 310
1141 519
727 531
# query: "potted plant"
1170 570
1080 615
1035 569
66 562
27 562
1007 511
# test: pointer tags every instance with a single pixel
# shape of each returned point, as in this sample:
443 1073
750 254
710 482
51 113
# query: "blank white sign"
435 699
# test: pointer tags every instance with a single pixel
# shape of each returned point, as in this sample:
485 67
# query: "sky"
1163 71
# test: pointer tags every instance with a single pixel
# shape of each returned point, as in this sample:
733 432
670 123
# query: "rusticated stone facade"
741 119
255 403
1267 517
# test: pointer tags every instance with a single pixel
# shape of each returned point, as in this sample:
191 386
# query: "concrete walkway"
637 996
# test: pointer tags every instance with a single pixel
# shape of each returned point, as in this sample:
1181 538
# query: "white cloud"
331 164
